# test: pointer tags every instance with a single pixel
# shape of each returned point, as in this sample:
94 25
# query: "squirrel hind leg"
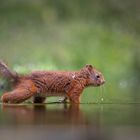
23 92
16 96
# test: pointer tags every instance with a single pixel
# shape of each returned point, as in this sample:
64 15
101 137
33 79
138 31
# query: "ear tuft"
89 67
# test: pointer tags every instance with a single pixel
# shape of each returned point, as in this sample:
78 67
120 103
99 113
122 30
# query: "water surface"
64 121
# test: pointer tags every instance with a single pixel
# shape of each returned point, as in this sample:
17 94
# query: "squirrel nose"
103 82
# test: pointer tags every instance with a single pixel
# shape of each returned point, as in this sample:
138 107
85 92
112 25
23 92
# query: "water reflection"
43 114
64 121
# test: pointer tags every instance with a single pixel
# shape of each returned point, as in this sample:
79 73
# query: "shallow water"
64 121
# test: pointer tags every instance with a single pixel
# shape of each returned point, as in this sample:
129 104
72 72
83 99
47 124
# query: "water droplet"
102 99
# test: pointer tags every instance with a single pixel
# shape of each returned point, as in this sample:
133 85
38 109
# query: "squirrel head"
94 77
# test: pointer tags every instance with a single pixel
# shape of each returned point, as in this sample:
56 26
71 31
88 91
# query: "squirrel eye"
97 76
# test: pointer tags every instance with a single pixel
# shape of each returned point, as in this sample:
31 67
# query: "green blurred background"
67 34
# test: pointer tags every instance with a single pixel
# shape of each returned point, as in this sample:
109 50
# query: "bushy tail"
7 73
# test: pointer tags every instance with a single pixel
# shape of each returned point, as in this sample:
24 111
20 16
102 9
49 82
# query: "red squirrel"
41 84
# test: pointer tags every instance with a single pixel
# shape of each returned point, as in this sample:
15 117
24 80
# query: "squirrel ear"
89 67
